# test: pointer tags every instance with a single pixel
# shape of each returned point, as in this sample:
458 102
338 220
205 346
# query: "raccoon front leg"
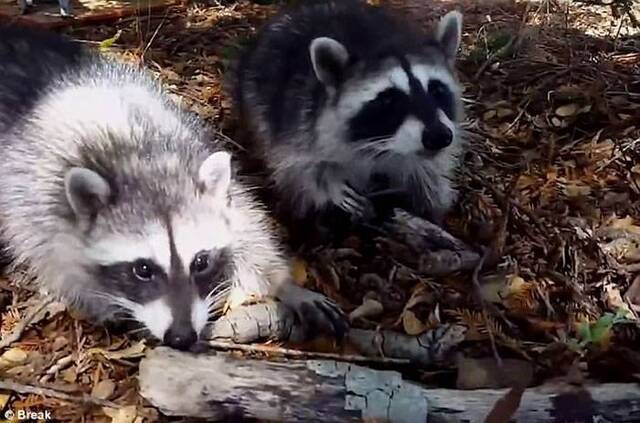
318 186
24 5
65 7
315 311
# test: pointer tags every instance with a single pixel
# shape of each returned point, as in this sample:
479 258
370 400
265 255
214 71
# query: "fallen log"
272 321
440 252
220 386
223 387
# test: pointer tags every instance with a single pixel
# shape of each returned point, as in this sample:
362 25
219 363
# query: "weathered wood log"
221 386
273 321
440 252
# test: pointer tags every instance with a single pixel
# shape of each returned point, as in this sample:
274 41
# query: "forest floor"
550 189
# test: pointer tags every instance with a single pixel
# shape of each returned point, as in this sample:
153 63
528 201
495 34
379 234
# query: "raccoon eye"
143 270
437 89
200 263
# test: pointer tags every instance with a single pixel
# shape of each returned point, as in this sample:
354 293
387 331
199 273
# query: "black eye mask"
381 116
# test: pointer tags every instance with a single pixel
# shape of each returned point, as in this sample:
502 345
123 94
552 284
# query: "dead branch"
441 252
8 385
259 322
298 354
255 322
431 347
219 386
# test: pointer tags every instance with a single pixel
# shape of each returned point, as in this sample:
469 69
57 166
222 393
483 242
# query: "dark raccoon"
354 111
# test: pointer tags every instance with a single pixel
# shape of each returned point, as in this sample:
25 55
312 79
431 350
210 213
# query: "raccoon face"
409 105
171 273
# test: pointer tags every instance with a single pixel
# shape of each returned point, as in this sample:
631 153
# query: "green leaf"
109 41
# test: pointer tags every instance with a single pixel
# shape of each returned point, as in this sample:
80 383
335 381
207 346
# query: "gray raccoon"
347 102
114 200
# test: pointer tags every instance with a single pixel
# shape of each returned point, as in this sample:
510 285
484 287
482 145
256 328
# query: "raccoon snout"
437 138
180 336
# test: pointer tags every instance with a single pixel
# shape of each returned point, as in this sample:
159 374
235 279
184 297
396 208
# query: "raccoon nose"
437 138
180 337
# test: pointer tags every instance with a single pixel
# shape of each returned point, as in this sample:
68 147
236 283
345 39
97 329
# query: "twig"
478 290
24 323
305 354
8 385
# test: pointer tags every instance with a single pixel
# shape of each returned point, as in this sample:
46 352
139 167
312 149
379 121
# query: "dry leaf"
59 343
575 189
134 351
626 224
492 288
13 357
369 308
567 110
69 375
613 300
4 399
420 295
126 414
504 112
103 389
412 325
489 114
505 408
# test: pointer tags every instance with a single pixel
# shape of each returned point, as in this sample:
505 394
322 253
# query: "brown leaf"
126 414
13 357
370 307
505 408
411 324
134 351
567 110
103 389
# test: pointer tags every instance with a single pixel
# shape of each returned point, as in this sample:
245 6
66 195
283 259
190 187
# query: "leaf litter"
551 185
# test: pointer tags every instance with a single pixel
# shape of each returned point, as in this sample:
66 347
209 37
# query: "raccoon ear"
329 59
449 33
87 192
215 173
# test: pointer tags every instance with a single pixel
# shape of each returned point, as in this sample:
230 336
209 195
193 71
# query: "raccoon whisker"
372 143
137 331
224 293
382 192
123 304
218 305
222 285
219 301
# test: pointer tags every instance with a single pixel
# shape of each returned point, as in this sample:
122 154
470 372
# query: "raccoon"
65 7
353 111
116 201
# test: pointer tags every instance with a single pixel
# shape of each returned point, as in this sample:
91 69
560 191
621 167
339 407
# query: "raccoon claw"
319 316
318 313
356 204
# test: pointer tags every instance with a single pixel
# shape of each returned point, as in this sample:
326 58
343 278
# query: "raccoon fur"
119 204
353 111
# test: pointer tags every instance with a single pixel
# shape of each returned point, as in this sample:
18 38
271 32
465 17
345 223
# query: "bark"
221 386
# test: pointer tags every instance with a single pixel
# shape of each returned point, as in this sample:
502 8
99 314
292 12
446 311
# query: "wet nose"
180 337
437 138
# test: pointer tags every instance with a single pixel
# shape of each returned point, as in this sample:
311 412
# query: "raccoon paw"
356 204
316 312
